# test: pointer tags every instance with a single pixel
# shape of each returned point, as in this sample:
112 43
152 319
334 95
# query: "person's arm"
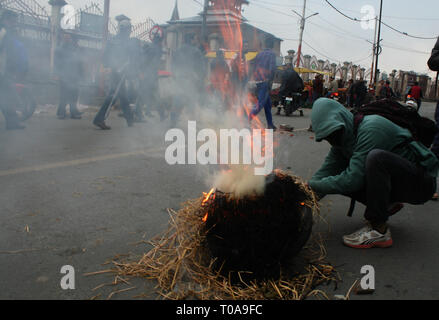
352 179
433 62
334 164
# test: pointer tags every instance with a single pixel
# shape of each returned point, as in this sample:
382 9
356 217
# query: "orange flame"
207 197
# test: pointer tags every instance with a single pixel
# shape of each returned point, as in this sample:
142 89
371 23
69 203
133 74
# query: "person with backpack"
433 64
375 162
14 65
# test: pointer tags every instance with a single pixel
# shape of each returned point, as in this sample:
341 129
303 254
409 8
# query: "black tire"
293 248
288 109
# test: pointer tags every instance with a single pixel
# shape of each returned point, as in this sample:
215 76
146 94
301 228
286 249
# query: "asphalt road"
74 195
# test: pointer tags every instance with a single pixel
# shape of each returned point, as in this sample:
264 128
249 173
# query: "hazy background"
328 35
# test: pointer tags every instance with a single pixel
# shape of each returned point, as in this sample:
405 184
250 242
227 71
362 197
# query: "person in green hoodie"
380 166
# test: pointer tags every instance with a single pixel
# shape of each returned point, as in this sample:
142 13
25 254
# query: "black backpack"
423 129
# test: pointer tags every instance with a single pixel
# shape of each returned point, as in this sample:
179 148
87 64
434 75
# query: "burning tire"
259 234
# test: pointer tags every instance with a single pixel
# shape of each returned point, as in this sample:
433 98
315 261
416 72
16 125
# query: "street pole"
106 23
104 45
204 25
372 69
378 48
302 29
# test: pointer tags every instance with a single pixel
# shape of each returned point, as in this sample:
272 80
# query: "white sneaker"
367 238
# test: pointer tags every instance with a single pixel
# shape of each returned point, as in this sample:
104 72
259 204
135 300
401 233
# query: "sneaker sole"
383 244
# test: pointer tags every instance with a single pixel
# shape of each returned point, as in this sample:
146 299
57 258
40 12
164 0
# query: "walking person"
13 67
219 79
149 83
359 91
122 56
349 93
69 69
332 87
263 71
189 71
317 88
386 91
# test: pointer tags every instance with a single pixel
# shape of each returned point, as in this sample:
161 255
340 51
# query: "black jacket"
123 55
291 83
433 62
69 64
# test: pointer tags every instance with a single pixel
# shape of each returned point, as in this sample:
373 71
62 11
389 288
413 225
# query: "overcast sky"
329 35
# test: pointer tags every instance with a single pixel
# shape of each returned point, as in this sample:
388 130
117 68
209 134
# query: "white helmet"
412 103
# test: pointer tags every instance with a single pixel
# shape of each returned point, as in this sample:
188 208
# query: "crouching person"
380 166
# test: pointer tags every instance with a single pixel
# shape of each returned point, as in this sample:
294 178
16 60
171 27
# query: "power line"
337 60
387 25
345 15
322 54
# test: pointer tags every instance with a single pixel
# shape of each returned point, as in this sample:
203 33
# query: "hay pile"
181 264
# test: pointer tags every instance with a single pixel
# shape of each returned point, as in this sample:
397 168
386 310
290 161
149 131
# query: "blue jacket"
17 60
264 66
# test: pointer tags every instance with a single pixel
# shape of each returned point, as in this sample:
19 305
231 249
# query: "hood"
329 116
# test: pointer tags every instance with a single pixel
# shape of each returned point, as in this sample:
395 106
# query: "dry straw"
182 266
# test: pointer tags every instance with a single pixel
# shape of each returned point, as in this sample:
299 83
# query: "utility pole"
378 48
204 25
106 23
374 52
302 29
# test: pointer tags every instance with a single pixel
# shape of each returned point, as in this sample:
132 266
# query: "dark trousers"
122 96
68 96
390 179
264 102
148 96
8 102
419 102
359 100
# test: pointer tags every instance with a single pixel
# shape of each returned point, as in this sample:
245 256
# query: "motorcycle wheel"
288 110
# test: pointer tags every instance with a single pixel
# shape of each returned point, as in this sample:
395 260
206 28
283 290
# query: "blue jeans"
264 101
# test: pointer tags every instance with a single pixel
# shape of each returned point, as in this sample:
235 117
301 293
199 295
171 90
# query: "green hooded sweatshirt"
344 169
